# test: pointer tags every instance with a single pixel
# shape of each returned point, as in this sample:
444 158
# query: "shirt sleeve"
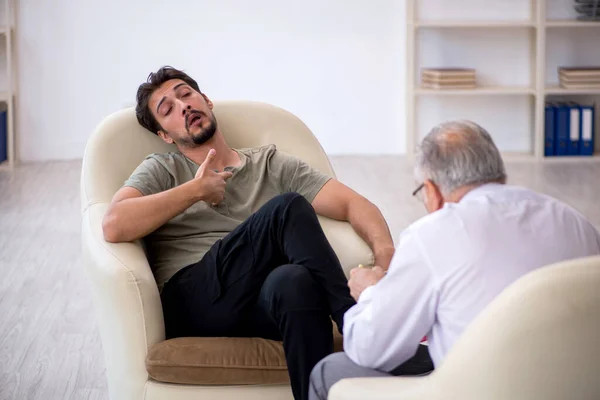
297 176
385 327
150 177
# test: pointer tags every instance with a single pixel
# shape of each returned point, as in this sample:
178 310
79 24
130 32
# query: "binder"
549 146
562 129
3 137
586 147
574 129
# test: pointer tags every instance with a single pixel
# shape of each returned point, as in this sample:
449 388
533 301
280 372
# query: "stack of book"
448 78
588 10
579 77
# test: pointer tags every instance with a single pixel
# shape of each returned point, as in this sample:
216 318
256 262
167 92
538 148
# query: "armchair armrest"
349 247
392 388
127 304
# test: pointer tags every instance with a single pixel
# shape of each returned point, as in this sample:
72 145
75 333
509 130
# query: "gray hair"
456 154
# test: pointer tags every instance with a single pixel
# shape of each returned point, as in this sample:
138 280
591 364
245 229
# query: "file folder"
3 137
574 130
587 131
549 147
562 129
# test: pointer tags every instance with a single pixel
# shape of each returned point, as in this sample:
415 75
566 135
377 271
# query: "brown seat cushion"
221 361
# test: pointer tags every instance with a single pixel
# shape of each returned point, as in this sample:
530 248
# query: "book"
435 85
449 79
579 72
448 72
579 69
580 85
595 79
565 75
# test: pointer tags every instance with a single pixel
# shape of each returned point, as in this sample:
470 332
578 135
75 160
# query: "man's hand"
211 184
362 278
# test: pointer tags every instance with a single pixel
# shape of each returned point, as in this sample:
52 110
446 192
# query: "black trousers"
276 277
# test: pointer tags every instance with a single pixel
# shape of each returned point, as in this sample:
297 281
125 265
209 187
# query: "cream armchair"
537 340
125 294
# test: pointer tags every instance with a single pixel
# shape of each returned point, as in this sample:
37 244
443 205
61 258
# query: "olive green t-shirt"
264 173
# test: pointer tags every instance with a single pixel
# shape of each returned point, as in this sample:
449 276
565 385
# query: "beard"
195 139
206 133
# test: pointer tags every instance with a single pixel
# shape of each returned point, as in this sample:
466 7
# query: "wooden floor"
49 344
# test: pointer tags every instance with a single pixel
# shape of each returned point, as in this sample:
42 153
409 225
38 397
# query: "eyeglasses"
417 192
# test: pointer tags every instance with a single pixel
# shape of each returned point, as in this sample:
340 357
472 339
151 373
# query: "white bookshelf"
7 88
517 47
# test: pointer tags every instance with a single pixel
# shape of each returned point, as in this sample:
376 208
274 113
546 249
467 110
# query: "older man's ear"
434 200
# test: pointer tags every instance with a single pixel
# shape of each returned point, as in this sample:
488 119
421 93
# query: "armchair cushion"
221 361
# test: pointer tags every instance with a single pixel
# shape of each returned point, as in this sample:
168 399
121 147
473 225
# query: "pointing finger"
225 175
209 158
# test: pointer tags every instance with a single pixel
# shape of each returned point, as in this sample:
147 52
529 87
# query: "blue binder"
574 129
549 147
586 147
562 129
3 137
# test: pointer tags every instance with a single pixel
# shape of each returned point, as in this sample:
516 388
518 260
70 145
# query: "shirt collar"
482 190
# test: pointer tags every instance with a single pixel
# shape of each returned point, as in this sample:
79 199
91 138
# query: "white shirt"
450 264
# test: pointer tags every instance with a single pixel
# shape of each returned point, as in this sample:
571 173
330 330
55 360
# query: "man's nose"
185 108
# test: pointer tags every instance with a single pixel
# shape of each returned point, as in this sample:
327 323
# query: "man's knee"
292 287
291 200
321 375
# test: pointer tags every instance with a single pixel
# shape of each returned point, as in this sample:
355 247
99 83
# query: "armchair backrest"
120 144
537 340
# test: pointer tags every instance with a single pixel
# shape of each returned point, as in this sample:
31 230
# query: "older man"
480 236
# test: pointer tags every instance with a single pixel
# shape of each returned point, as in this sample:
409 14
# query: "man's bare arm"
337 201
131 215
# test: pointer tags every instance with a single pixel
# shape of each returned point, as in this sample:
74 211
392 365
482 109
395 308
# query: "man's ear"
210 103
433 196
166 138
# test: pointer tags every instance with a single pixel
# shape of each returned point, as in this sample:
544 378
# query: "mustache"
191 114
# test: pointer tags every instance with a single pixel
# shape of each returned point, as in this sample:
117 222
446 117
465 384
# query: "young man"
481 235
232 234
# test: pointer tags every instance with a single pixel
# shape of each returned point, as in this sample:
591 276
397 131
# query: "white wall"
337 64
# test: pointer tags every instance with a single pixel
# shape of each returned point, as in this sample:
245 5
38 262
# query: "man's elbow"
362 352
365 357
110 229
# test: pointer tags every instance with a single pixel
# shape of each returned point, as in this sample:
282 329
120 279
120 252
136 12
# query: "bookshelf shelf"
531 56
569 23
482 90
473 24
560 90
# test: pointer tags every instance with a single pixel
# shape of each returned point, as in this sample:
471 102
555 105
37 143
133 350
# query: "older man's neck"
461 192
